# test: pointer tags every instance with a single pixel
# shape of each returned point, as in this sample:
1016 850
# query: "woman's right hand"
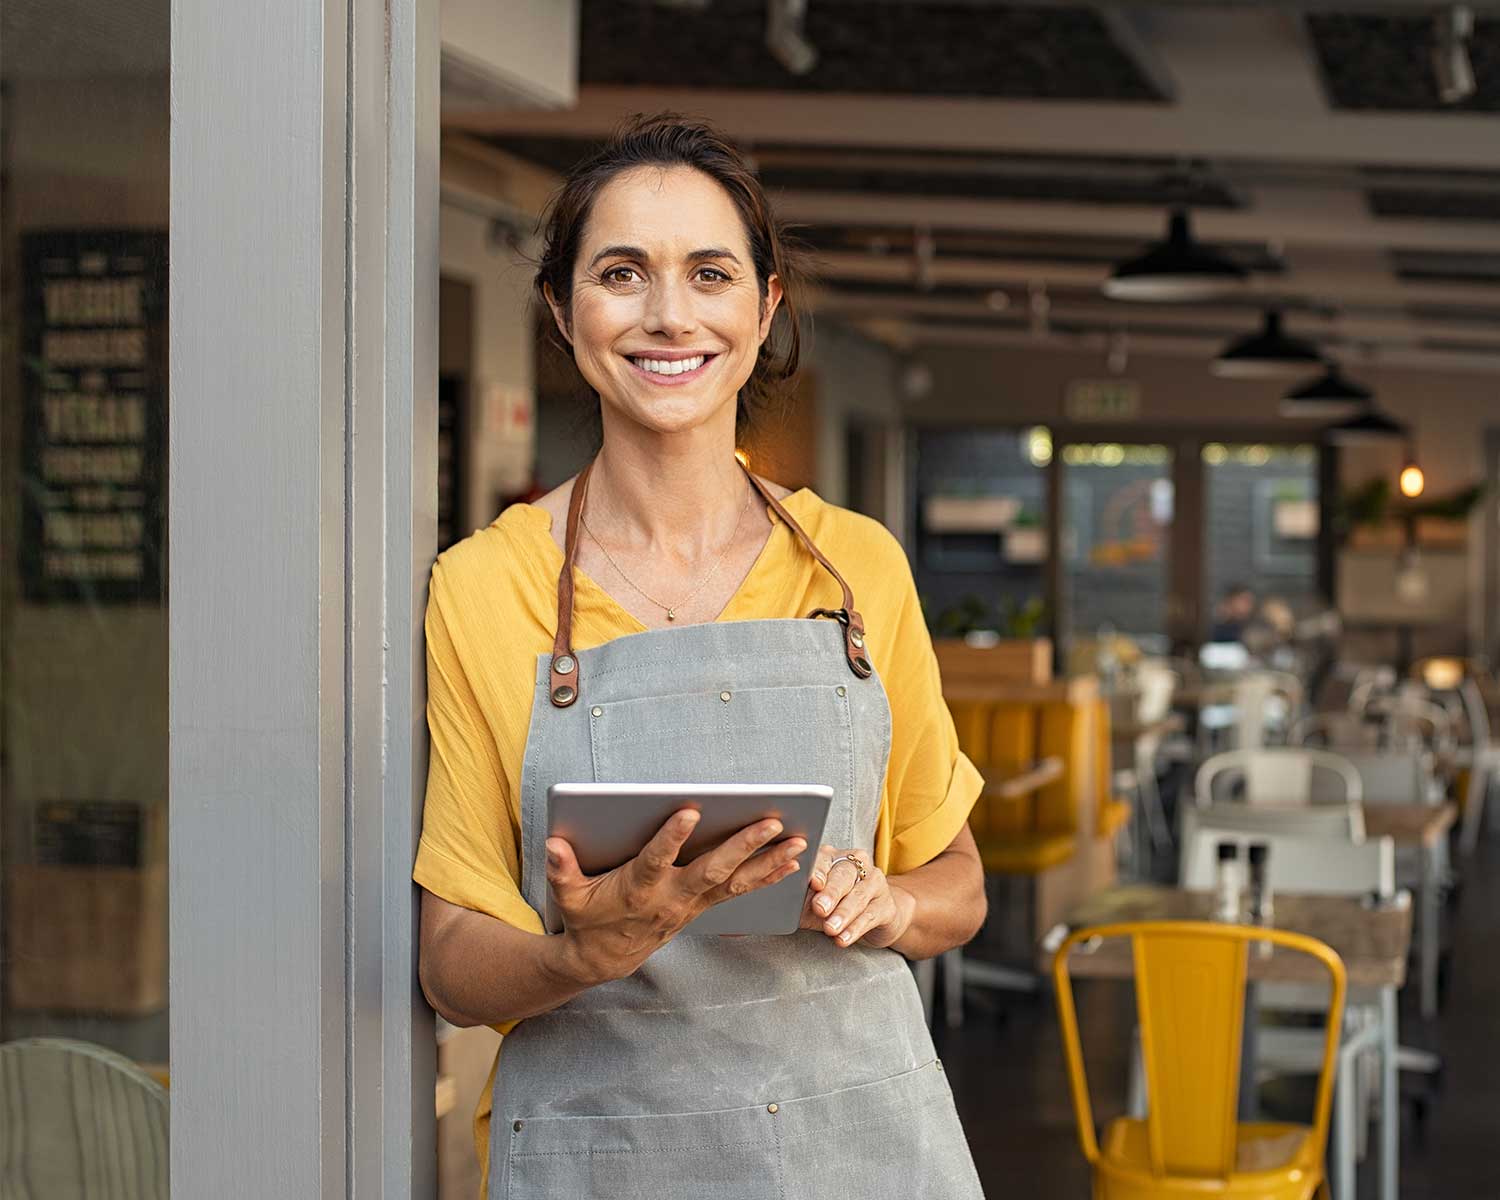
613 922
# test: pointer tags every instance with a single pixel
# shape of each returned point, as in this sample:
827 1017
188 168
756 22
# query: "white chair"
1309 865
1260 702
1286 776
1341 821
80 1122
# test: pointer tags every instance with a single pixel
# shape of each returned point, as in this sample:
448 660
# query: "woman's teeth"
677 366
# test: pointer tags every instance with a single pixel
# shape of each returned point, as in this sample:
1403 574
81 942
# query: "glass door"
1117 503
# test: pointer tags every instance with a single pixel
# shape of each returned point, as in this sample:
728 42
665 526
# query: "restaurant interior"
1164 337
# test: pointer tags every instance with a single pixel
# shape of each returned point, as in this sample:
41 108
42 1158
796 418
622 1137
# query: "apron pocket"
729 1155
757 735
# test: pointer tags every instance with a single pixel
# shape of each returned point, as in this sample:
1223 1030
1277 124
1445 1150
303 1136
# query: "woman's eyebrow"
620 252
713 252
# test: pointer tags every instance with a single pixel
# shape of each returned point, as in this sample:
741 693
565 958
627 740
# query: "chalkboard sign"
94 312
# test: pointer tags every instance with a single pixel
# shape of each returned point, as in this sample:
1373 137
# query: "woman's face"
667 315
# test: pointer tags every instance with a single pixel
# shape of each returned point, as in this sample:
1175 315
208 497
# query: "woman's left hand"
850 909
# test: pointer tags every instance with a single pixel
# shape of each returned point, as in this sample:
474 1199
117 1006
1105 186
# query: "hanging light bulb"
1412 480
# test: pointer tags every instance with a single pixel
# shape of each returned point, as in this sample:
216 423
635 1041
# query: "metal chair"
1190 998
81 1122
1285 776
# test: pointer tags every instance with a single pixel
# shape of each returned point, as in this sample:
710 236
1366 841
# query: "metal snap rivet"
598 712
939 1064
863 664
564 664
517 1127
858 639
841 690
724 696
773 1109
564 695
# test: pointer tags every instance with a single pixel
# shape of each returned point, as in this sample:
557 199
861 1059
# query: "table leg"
1431 901
1249 1103
1390 1099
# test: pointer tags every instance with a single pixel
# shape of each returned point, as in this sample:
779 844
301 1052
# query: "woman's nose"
669 308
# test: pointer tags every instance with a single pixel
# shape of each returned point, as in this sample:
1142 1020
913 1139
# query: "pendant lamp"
1179 268
1330 396
1371 425
1269 352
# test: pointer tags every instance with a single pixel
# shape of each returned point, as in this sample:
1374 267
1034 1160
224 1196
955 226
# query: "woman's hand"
613 922
849 909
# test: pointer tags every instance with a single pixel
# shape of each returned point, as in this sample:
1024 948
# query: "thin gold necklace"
671 609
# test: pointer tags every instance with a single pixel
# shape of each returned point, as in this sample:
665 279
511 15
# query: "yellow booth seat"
1026 834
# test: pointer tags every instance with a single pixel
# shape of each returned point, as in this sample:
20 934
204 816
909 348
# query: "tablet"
607 825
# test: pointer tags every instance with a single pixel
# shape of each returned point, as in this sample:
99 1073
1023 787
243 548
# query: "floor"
1006 1068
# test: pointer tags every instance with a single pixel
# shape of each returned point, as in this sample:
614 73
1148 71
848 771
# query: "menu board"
94 312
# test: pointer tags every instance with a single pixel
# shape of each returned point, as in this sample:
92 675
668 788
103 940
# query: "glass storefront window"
83 616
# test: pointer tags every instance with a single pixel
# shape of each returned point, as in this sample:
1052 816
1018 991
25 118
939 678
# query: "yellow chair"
1190 999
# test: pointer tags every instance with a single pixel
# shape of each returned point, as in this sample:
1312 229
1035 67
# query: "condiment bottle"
1229 882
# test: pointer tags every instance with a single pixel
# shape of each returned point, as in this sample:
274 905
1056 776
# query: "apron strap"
563 685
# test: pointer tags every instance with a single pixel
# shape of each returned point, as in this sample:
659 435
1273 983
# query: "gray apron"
727 1069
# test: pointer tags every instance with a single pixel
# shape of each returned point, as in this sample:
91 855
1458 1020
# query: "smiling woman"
670 590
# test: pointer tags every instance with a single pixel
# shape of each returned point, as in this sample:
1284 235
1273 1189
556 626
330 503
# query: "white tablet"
608 824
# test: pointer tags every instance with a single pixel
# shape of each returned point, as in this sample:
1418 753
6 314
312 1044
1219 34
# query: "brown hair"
670 140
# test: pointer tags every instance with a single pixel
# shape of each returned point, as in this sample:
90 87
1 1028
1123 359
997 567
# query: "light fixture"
1330 396
1267 353
1452 29
786 38
1368 426
1179 268
1412 480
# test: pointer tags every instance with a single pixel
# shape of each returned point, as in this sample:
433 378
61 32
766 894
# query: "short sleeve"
931 786
469 852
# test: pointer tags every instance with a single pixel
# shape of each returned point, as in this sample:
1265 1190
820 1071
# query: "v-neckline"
586 582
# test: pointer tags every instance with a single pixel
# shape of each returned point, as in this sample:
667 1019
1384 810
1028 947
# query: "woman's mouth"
667 371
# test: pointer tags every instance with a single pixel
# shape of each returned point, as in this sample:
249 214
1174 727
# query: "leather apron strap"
564 683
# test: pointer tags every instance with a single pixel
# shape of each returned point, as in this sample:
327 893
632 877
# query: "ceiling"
967 172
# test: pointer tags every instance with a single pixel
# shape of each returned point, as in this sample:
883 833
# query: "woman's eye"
712 275
621 275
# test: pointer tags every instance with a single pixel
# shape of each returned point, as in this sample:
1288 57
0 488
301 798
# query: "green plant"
967 615
1019 620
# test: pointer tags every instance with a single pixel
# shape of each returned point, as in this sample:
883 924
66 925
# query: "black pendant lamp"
1179 268
1267 353
1328 397
1371 425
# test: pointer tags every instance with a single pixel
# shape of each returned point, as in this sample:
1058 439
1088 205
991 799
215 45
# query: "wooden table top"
1410 824
1373 942
1006 783
1130 731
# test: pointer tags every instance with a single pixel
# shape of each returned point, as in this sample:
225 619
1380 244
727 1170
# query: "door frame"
302 516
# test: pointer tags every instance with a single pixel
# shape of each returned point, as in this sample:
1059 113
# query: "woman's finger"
878 913
659 854
714 869
840 880
563 872
852 905
818 876
762 870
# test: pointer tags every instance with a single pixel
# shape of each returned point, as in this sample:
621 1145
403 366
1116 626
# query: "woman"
649 621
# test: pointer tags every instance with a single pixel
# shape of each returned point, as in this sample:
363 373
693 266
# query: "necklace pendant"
671 614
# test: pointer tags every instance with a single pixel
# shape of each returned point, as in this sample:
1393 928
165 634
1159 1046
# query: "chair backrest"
80 1121
1282 776
1322 862
1393 777
1156 683
1334 731
1190 1001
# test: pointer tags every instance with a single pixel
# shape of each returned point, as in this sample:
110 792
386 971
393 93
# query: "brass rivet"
564 664
773 1109
564 695
841 690
858 639
517 1127
598 712
724 696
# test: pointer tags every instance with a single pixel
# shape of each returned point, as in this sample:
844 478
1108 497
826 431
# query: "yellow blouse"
492 609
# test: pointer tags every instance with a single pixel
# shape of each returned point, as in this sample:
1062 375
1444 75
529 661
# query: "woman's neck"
681 493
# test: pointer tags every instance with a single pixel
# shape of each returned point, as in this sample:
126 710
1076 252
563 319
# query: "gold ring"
850 858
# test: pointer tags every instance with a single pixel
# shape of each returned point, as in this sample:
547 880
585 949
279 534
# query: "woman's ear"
559 315
769 305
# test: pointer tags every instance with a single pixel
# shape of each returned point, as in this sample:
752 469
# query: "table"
1372 941
1421 827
